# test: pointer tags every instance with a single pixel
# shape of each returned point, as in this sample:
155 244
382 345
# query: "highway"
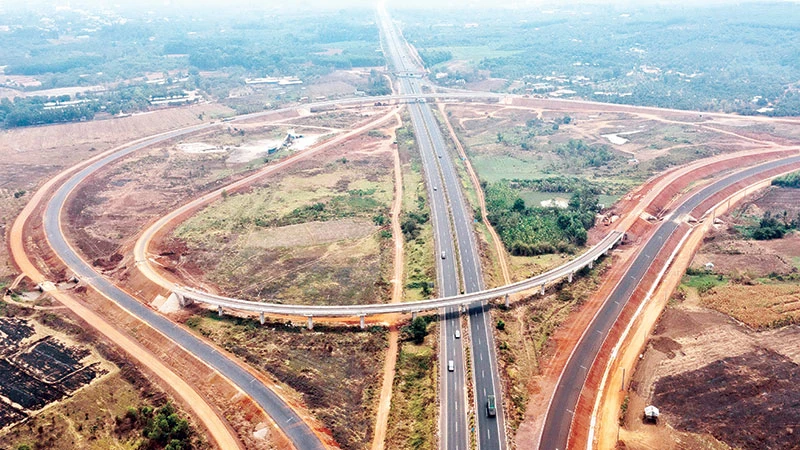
453 410
490 431
295 429
555 432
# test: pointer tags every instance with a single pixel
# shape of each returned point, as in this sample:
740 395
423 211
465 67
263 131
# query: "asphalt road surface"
296 430
490 430
453 413
555 432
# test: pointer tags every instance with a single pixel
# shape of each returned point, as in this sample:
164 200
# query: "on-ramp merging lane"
555 431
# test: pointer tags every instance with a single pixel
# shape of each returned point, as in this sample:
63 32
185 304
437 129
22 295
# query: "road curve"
555 432
285 418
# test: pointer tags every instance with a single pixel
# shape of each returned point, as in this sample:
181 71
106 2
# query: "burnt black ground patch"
749 401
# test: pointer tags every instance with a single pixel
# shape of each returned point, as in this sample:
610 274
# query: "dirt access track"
627 338
39 277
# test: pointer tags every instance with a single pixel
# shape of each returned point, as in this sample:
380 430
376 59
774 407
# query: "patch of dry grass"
759 306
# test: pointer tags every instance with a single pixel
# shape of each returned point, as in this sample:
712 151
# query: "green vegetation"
415 221
791 180
417 330
190 50
703 281
770 227
706 57
161 428
355 203
412 418
528 231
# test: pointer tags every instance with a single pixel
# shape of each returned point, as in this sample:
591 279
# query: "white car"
451 366
458 334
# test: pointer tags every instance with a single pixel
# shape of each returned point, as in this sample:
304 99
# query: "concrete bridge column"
542 292
413 315
219 310
507 302
261 318
605 253
591 264
362 321
569 278
310 322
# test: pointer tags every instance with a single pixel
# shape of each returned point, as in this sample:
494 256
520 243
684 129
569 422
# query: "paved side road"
287 420
555 432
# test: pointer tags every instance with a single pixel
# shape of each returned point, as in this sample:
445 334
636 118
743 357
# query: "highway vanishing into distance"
453 432
556 429
458 270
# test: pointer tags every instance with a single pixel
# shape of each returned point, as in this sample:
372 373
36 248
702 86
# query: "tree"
417 330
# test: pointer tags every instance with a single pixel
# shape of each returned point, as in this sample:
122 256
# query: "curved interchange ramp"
539 281
286 419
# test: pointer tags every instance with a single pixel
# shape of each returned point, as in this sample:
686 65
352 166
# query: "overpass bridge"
187 295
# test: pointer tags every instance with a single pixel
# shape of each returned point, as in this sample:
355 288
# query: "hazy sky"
10 5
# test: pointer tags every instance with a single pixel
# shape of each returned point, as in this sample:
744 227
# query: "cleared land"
337 371
723 360
28 156
317 233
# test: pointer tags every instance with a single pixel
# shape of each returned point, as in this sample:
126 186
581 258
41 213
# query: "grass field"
336 370
413 414
474 53
419 252
316 234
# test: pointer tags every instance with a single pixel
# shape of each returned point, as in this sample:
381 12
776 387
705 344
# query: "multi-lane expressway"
453 433
558 421
538 282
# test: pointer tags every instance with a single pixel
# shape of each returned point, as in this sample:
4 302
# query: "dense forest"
737 59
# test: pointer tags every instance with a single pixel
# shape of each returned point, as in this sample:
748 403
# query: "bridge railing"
540 281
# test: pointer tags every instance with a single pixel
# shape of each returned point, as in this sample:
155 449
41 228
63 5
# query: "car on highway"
458 334
444 255
435 188
451 366
491 408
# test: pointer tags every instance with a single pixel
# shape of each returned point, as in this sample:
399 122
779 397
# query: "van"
491 409
451 366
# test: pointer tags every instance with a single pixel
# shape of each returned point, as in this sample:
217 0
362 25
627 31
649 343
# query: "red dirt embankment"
584 411
657 194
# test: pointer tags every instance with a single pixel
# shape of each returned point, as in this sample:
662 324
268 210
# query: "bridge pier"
261 318
413 315
182 300
219 310
542 292
362 321
591 264
507 302
569 278
310 325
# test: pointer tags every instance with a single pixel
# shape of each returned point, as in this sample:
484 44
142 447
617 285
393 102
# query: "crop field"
337 371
